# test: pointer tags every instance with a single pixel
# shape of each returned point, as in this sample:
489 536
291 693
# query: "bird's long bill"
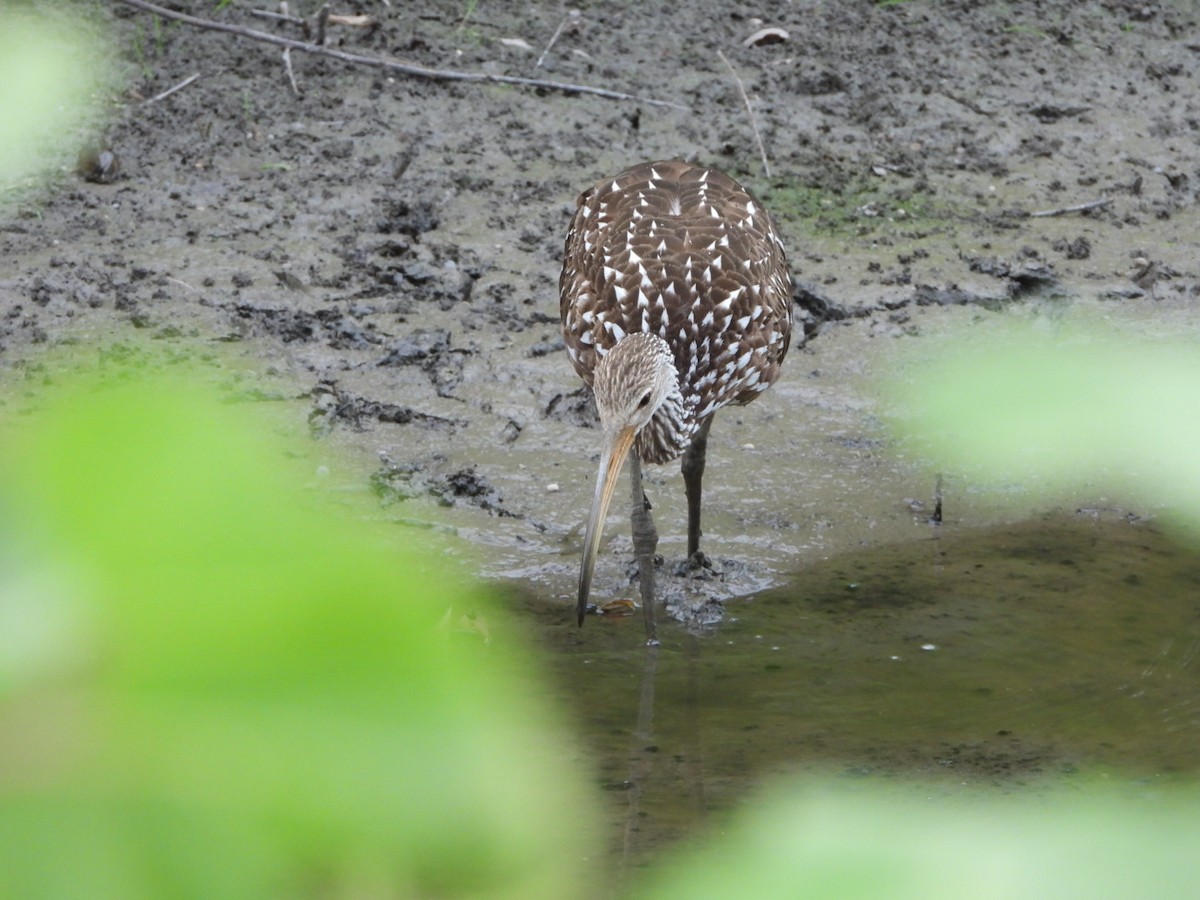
616 448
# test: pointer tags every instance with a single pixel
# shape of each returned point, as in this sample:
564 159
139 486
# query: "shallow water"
1062 648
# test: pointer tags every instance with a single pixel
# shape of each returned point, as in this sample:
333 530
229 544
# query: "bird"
675 298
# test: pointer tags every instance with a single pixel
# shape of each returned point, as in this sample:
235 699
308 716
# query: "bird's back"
685 253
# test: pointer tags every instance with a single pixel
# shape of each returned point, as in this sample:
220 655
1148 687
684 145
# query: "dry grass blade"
762 151
171 90
1066 210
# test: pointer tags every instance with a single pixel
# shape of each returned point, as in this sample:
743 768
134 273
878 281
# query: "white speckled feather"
685 253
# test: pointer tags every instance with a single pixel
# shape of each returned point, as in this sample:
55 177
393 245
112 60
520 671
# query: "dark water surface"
1065 648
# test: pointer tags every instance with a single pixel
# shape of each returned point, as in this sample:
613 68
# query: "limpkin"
676 300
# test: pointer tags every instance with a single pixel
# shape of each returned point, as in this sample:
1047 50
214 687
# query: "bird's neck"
670 430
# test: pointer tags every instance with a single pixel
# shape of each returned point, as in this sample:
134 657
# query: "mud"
377 257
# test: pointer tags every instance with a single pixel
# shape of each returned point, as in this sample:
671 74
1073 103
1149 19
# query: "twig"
1078 207
287 65
762 151
322 22
171 90
393 65
967 102
554 37
184 283
278 17
351 21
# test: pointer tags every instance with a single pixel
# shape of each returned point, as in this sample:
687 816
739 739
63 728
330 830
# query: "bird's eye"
645 401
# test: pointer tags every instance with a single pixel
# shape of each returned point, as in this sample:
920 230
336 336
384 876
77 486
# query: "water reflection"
999 658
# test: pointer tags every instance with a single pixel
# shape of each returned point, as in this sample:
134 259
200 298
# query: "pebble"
552 488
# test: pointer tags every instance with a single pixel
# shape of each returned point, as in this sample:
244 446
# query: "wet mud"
382 251
374 262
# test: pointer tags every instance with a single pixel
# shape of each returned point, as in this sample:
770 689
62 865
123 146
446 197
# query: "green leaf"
212 685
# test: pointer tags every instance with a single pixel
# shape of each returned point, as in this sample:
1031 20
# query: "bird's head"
631 382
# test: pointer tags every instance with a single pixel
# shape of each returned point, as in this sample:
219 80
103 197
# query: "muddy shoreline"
378 256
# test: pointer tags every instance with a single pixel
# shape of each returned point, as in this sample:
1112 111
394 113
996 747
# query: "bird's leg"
693 475
645 542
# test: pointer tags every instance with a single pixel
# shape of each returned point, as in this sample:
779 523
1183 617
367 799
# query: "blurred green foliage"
807 841
1080 407
53 67
211 686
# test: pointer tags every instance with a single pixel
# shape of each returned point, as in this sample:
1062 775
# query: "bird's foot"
696 566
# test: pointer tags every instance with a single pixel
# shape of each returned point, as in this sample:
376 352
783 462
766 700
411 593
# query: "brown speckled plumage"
676 300
685 253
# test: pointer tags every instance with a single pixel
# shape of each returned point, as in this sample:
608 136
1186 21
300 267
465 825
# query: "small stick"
393 65
287 65
184 283
351 21
1078 207
554 38
750 112
968 103
322 21
278 17
171 90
